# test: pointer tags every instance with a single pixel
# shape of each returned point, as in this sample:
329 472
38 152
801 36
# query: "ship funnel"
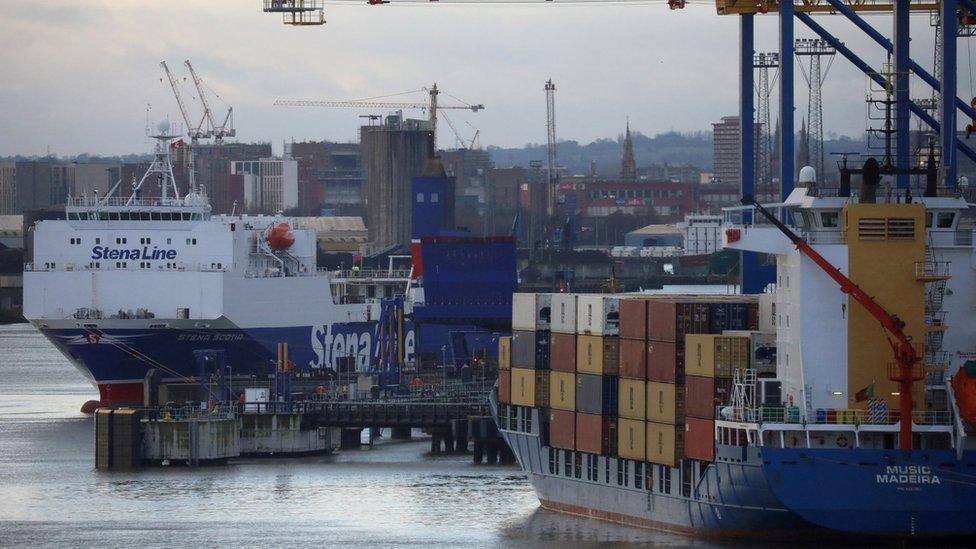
845 183
870 179
931 177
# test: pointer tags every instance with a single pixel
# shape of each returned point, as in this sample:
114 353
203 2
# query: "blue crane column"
752 279
948 103
786 136
902 35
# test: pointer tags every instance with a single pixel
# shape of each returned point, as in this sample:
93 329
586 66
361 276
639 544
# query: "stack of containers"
710 363
562 374
530 349
668 322
597 377
632 386
505 369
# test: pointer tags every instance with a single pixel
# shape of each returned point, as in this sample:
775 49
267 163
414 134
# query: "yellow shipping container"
505 353
665 403
562 391
523 387
664 443
631 435
631 399
598 355
711 355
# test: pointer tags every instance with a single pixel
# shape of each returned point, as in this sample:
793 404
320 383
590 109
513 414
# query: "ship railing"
824 237
925 270
371 273
830 416
201 412
963 237
96 202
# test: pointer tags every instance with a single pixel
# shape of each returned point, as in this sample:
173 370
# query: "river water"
390 495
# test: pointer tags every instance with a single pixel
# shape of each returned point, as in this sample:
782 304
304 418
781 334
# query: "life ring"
842 441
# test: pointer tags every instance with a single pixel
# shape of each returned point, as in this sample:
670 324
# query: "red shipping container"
665 361
505 386
700 397
562 352
753 315
596 434
633 318
562 429
700 439
671 320
633 358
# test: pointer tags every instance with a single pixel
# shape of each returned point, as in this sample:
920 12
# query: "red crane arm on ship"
905 355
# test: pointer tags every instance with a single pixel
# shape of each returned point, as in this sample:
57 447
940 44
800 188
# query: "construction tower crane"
551 175
194 132
432 106
217 131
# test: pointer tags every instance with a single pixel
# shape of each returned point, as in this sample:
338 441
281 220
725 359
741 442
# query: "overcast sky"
77 74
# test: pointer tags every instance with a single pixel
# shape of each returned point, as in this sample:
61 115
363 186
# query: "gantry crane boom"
906 357
432 106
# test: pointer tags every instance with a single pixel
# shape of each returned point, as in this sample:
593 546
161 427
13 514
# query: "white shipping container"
762 349
598 314
564 313
531 311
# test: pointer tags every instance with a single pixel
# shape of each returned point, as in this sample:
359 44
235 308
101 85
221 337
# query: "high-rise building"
270 184
725 140
8 188
393 153
330 177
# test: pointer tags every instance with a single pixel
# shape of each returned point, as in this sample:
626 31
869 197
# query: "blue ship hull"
877 492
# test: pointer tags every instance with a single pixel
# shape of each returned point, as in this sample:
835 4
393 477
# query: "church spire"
628 166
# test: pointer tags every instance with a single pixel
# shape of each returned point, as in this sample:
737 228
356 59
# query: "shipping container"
700 398
505 386
767 313
505 353
728 315
633 318
597 355
633 358
596 434
596 394
562 352
665 443
563 313
562 391
631 434
712 355
530 349
597 315
665 403
665 361
762 350
562 429
531 312
541 388
700 439
523 387
669 320
632 398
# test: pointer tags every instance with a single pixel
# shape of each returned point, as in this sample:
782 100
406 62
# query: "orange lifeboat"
280 237
964 388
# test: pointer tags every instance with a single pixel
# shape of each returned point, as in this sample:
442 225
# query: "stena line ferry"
847 406
123 285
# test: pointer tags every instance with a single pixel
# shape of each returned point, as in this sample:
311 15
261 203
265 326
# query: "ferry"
128 285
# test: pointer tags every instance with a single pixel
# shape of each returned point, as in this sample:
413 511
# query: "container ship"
839 403
128 287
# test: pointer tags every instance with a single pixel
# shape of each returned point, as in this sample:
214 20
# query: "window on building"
945 219
435 198
829 220
420 197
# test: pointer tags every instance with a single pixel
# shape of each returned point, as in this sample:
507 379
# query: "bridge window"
829 220
945 220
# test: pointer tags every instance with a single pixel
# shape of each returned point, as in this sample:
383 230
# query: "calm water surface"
390 495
